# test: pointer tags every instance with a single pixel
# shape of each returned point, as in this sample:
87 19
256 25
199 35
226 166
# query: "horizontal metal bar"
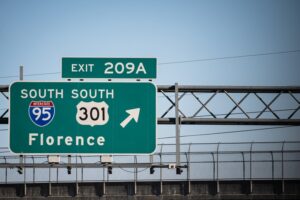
207 143
266 180
231 121
15 157
246 161
214 121
210 121
4 120
230 89
234 143
85 165
4 88
133 165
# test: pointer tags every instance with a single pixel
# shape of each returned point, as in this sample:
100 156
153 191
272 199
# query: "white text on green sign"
137 68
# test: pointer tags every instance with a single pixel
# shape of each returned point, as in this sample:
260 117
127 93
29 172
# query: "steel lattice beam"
231 121
231 89
216 90
228 91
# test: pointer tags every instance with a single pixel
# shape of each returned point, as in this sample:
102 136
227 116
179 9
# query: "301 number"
93 114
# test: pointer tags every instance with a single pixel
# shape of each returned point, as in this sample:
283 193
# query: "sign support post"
177 126
21 72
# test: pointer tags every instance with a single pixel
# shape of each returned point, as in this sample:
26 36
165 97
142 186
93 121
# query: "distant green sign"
138 68
82 117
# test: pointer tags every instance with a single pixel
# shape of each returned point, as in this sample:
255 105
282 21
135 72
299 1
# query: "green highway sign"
82 118
124 68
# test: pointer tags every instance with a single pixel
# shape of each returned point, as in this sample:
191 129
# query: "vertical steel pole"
76 173
161 170
272 157
77 188
251 186
49 173
5 170
81 168
21 73
282 169
189 169
57 175
151 159
25 188
177 126
49 186
135 175
107 175
33 170
218 184
103 185
244 169
214 165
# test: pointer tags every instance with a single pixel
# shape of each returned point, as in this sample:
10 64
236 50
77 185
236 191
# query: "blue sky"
37 34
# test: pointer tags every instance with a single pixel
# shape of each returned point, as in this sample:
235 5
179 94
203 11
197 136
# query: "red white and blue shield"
41 113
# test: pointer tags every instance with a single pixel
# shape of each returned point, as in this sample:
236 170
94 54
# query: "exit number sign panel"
138 68
82 117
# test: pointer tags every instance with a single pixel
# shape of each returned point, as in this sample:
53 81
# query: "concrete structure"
261 189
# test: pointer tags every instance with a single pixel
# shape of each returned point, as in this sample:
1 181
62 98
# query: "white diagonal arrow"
133 114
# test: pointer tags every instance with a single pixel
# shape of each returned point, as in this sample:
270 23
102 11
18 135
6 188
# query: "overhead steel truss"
228 92
265 108
234 96
213 118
